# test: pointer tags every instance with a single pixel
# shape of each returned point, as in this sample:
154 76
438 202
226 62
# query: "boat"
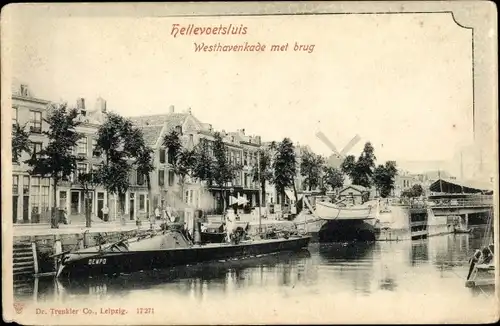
330 211
167 248
482 268
482 263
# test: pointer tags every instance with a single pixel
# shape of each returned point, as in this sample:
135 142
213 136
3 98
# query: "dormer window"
178 129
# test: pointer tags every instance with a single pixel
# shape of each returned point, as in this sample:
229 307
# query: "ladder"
24 260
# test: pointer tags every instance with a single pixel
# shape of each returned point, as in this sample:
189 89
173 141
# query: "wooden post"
35 257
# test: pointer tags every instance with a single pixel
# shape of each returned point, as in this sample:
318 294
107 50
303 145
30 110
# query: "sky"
403 82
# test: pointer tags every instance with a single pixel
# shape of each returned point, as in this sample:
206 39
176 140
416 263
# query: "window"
170 157
36 148
245 158
95 152
140 178
132 177
15 184
44 203
26 185
161 178
35 194
14 116
162 155
36 122
142 202
171 178
81 168
81 146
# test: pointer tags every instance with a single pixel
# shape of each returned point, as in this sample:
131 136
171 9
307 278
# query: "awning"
456 186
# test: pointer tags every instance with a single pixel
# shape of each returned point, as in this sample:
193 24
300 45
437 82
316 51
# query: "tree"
20 142
284 167
311 169
172 141
262 171
223 171
88 181
361 170
333 178
348 165
57 160
183 160
415 191
204 165
383 178
364 167
121 143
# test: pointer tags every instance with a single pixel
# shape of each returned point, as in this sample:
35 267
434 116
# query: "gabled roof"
460 186
356 187
151 134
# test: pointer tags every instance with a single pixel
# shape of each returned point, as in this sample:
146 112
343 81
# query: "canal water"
407 281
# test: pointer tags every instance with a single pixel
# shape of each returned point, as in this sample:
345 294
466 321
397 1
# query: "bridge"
461 206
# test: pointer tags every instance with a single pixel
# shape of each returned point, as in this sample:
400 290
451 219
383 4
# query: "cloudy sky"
403 82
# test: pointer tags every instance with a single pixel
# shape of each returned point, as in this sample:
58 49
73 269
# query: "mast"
440 182
260 190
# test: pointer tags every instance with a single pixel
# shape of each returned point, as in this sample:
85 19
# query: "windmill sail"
350 145
327 142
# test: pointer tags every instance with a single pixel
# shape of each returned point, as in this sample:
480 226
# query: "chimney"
80 104
258 139
223 133
100 105
171 109
189 110
24 90
209 127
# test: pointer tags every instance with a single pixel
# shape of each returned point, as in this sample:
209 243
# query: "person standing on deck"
230 223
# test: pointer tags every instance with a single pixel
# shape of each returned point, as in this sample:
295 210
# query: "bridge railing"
479 201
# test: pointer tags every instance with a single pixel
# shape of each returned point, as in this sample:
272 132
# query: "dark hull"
111 263
347 231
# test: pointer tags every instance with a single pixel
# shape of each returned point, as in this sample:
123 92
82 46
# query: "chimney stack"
209 127
80 104
189 110
101 105
171 109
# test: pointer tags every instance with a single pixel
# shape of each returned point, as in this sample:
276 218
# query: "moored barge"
168 248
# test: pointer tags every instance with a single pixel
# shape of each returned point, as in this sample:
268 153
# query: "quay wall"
45 244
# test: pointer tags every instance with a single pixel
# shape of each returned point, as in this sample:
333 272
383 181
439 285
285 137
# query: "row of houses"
32 196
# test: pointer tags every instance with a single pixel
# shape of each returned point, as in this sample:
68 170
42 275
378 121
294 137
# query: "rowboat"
329 211
482 268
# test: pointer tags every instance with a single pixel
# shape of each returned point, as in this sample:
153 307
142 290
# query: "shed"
354 194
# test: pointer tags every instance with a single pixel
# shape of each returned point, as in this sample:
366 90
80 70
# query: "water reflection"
407 269
419 252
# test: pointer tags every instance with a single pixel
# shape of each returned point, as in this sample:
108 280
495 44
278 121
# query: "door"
26 204
75 199
132 206
14 208
62 199
100 204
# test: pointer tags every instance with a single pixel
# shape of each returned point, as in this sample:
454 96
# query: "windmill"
335 160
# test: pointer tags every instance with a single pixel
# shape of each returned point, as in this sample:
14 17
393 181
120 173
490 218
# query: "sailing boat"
482 263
